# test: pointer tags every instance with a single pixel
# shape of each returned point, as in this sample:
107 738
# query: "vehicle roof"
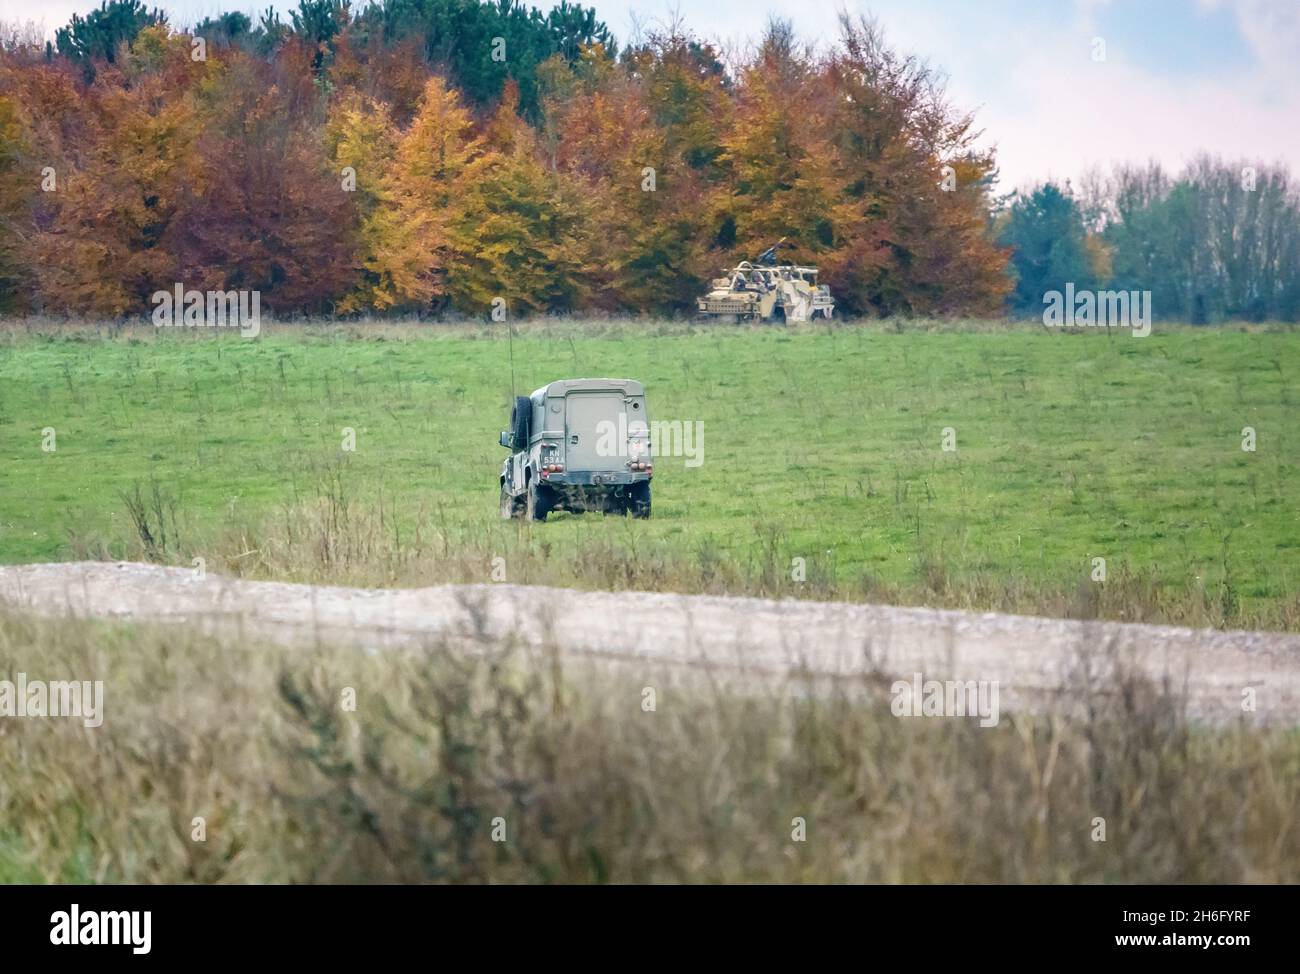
629 387
745 266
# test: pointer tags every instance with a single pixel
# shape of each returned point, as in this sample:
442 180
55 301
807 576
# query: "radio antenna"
510 330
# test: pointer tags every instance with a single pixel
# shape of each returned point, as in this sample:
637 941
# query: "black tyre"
520 419
638 501
538 504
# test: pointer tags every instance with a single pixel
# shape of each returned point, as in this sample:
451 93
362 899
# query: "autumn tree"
361 141
107 246
16 193
266 209
381 157
410 240
649 212
778 155
521 231
54 109
911 229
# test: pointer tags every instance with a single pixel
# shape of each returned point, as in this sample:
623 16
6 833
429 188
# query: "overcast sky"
1179 75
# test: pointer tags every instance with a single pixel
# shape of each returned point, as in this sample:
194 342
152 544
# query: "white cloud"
1052 111
1082 113
1272 29
48 15
1085 13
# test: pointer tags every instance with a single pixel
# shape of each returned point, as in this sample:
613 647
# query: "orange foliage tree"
779 156
264 210
912 214
362 181
106 246
17 192
410 245
521 231
644 168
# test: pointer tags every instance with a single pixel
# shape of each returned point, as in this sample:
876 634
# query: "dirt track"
1033 659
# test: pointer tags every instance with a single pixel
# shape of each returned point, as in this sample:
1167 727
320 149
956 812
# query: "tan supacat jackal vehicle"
767 291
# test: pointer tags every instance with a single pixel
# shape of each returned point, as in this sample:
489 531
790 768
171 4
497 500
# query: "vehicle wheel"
520 416
509 505
538 504
638 500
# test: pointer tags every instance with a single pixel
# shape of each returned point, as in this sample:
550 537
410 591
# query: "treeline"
433 155
1219 241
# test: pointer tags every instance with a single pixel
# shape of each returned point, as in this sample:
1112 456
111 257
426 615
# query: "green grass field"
821 444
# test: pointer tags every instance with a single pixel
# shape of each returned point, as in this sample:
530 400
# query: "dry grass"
336 540
591 787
